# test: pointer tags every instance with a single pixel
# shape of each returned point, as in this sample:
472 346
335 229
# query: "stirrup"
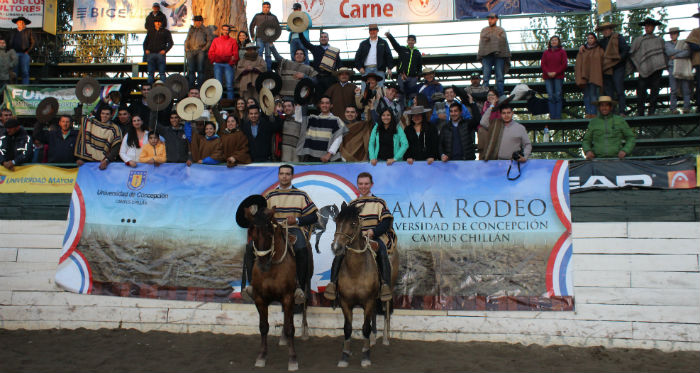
299 297
247 294
385 293
329 293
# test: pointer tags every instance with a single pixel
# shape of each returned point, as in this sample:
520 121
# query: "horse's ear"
249 213
344 205
270 212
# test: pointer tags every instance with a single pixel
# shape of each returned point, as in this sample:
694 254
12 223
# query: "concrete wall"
636 285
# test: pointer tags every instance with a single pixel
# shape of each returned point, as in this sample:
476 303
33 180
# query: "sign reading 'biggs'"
363 12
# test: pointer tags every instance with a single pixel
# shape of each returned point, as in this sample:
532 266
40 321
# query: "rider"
294 208
376 223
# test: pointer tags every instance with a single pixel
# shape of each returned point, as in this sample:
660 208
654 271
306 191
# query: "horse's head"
261 231
347 228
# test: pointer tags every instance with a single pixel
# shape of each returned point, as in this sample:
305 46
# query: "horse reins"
271 251
352 239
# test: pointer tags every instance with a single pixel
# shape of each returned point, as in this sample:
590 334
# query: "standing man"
295 42
326 60
154 15
342 94
614 60
494 52
376 221
457 136
681 78
22 41
197 45
158 42
605 133
648 57
8 62
224 55
257 21
291 128
374 55
410 65
321 135
693 41
15 145
512 139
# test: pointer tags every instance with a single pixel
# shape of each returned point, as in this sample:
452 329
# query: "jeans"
155 61
22 68
492 63
409 87
652 83
590 94
196 64
267 48
554 87
614 86
374 70
223 72
685 89
296 44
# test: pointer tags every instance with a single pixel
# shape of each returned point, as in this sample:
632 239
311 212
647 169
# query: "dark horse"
358 280
324 214
274 278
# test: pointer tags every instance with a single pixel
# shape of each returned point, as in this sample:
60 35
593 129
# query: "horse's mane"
348 212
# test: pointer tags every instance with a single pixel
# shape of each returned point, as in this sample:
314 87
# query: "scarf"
495 135
611 57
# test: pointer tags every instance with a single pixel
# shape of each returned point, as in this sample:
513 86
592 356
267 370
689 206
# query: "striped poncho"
319 135
97 140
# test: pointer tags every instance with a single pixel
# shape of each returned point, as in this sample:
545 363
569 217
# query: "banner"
467 237
363 12
37 179
33 10
672 173
481 8
128 15
24 99
632 4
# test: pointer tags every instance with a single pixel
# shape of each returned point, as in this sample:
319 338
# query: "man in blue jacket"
61 142
374 55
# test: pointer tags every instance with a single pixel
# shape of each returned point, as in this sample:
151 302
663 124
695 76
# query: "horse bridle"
352 239
271 250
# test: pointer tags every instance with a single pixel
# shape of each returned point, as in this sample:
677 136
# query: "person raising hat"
295 43
614 60
693 42
680 70
648 58
606 132
256 32
22 41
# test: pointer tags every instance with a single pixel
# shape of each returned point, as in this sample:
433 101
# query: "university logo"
137 180
423 8
313 7
684 179
2 178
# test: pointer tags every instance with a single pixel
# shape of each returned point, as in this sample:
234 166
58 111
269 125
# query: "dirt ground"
133 351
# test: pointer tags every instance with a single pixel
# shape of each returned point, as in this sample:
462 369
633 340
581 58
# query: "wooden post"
219 12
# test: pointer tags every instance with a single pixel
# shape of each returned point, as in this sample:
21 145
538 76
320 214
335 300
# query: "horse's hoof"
260 363
342 364
283 342
372 339
293 366
385 341
365 363
305 337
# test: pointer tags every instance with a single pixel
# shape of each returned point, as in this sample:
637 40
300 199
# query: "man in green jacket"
605 133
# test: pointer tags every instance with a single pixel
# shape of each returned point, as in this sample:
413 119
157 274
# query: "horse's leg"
387 324
373 336
347 329
304 325
366 331
264 328
288 307
318 239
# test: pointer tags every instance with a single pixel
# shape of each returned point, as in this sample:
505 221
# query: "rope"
366 247
271 251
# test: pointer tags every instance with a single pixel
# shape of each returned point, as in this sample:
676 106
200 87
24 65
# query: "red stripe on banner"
550 263
80 222
553 190
321 173
89 270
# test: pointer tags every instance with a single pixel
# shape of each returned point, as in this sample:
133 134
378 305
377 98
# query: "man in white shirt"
374 55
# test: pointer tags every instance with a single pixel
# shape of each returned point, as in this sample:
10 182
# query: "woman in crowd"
133 141
422 137
589 72
387 142
488 115
554 63
154 151
207 149
234 142
241 112
242 40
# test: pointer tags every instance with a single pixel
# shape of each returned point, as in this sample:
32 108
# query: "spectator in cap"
554 63
61 141
476 90
606 133
8 62
374 55
21 40
154 15
616 50
494 52
410 65
197 44
680 70
693 41
295 43
429 87
647 56
224 55
15 145
157 43
257 21
390 100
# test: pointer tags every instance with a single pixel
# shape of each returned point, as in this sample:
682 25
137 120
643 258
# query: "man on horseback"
294 208
376 223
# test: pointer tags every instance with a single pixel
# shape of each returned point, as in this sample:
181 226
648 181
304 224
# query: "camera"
517 154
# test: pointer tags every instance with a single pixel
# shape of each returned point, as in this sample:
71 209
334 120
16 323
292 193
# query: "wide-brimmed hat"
298 21
21 18
252 200
650 21
269 80
211 91
417 110
428 70
394 86
343 70
373 26
674 29
696 15
371 75
159 98
437 96
46 109
87 90
251 45
178 84
605 99
269 31
606 25
267 101
504 99
190 108
304 91
198 18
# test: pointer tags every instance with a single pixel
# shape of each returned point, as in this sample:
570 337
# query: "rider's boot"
302 264
248 262
330 292
384 274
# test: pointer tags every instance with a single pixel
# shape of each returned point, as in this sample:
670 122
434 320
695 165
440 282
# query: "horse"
325 213
274 279
358 281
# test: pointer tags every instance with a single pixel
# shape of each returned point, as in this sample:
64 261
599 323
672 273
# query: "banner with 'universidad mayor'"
468 237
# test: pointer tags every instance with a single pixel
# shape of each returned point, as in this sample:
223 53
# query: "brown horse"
358 281
274 278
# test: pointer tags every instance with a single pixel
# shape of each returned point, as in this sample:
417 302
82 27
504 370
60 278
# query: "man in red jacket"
223 53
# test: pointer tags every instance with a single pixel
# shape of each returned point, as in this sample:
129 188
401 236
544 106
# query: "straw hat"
211 92
267 101
417 110
605 25
298 21
605 99
343 70
190 108
428 70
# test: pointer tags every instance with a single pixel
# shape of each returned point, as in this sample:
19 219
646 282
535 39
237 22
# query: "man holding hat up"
614 59
693 41
22 41
15 145
294 42
326 60
374 55
197 45
680 70
410 65
606 132
647 56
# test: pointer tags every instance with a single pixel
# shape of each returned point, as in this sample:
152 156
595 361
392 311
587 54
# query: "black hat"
650 21
255 199
159 98
46 109
296 6
269 80
21 18
198 18
304 91
156 4
178 84
87 90
12 123
393 85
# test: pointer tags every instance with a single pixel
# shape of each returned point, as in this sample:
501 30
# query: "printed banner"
326 13
672 173
33 10
128 15
481 8
631 4
37 179
467 237
24 99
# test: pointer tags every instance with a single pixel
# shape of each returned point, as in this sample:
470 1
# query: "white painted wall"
636 285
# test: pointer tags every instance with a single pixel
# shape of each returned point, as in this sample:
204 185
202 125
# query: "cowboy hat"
159 98
269 31
437 96
650 21
269 80
371 75
190 108
417 110
211 91
21 18
251 45
696 15
252 200
267 101
605 99
428 70
503 100
674 29
304 91
46 109
87 90
298 21
343 70
394 86
198 18
605 25
178 85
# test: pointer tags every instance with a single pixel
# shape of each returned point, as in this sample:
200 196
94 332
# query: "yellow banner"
37 179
